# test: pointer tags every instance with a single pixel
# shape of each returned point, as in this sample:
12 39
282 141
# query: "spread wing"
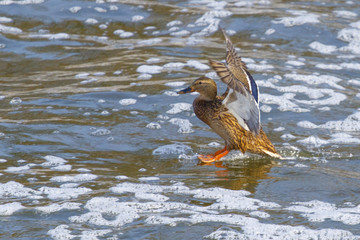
242 97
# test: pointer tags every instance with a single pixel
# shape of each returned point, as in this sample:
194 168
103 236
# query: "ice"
85 177
9 208
9 30
184 125
175 148
197 65
149 69
61 232
322 48
302 17
127 101
137 18
56 207
179 107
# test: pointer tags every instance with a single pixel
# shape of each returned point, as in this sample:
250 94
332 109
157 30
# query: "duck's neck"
208 96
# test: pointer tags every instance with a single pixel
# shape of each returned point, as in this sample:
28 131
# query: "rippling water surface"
96 144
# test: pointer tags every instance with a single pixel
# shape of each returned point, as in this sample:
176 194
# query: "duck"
234 115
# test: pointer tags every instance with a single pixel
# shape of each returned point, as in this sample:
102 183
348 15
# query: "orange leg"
213 157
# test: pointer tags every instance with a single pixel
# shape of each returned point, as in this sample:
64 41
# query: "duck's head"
203 85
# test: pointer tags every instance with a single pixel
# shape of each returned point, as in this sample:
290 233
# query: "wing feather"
241 99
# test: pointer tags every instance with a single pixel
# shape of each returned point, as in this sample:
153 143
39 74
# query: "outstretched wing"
242 98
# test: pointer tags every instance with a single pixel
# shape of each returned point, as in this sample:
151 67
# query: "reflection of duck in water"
235 115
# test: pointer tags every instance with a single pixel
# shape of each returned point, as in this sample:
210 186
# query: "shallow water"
95 142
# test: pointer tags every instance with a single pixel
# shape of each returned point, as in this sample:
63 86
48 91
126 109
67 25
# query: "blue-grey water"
96 144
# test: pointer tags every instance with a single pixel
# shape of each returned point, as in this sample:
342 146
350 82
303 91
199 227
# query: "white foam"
180 33
265 108
175 84
174 23
100 10
270 31
318 211
179 107
345 14
322 48
82 75
52 161
121 177
144 76
344 138
174 65
94 234
175 148
316 80
9 208
15 189
284 102
91 21
150 41
149 69
63 193
137 18
351 123
313 141
56 207
127 101
295 63
302 17
63 168
5 20
149 179
85 177
9 30
75 9
153 125
61 232
288 136
184 125
17 169
328 66
54 36
101 132
197 65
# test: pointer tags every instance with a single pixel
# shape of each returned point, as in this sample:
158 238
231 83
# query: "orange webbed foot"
213 157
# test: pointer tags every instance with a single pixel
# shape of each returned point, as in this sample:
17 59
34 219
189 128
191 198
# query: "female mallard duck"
235 115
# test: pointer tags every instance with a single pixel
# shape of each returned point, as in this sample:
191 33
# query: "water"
95 142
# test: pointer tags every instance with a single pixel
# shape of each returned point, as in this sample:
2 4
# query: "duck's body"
235 115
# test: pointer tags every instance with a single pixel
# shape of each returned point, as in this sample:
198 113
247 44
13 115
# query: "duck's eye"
200 83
